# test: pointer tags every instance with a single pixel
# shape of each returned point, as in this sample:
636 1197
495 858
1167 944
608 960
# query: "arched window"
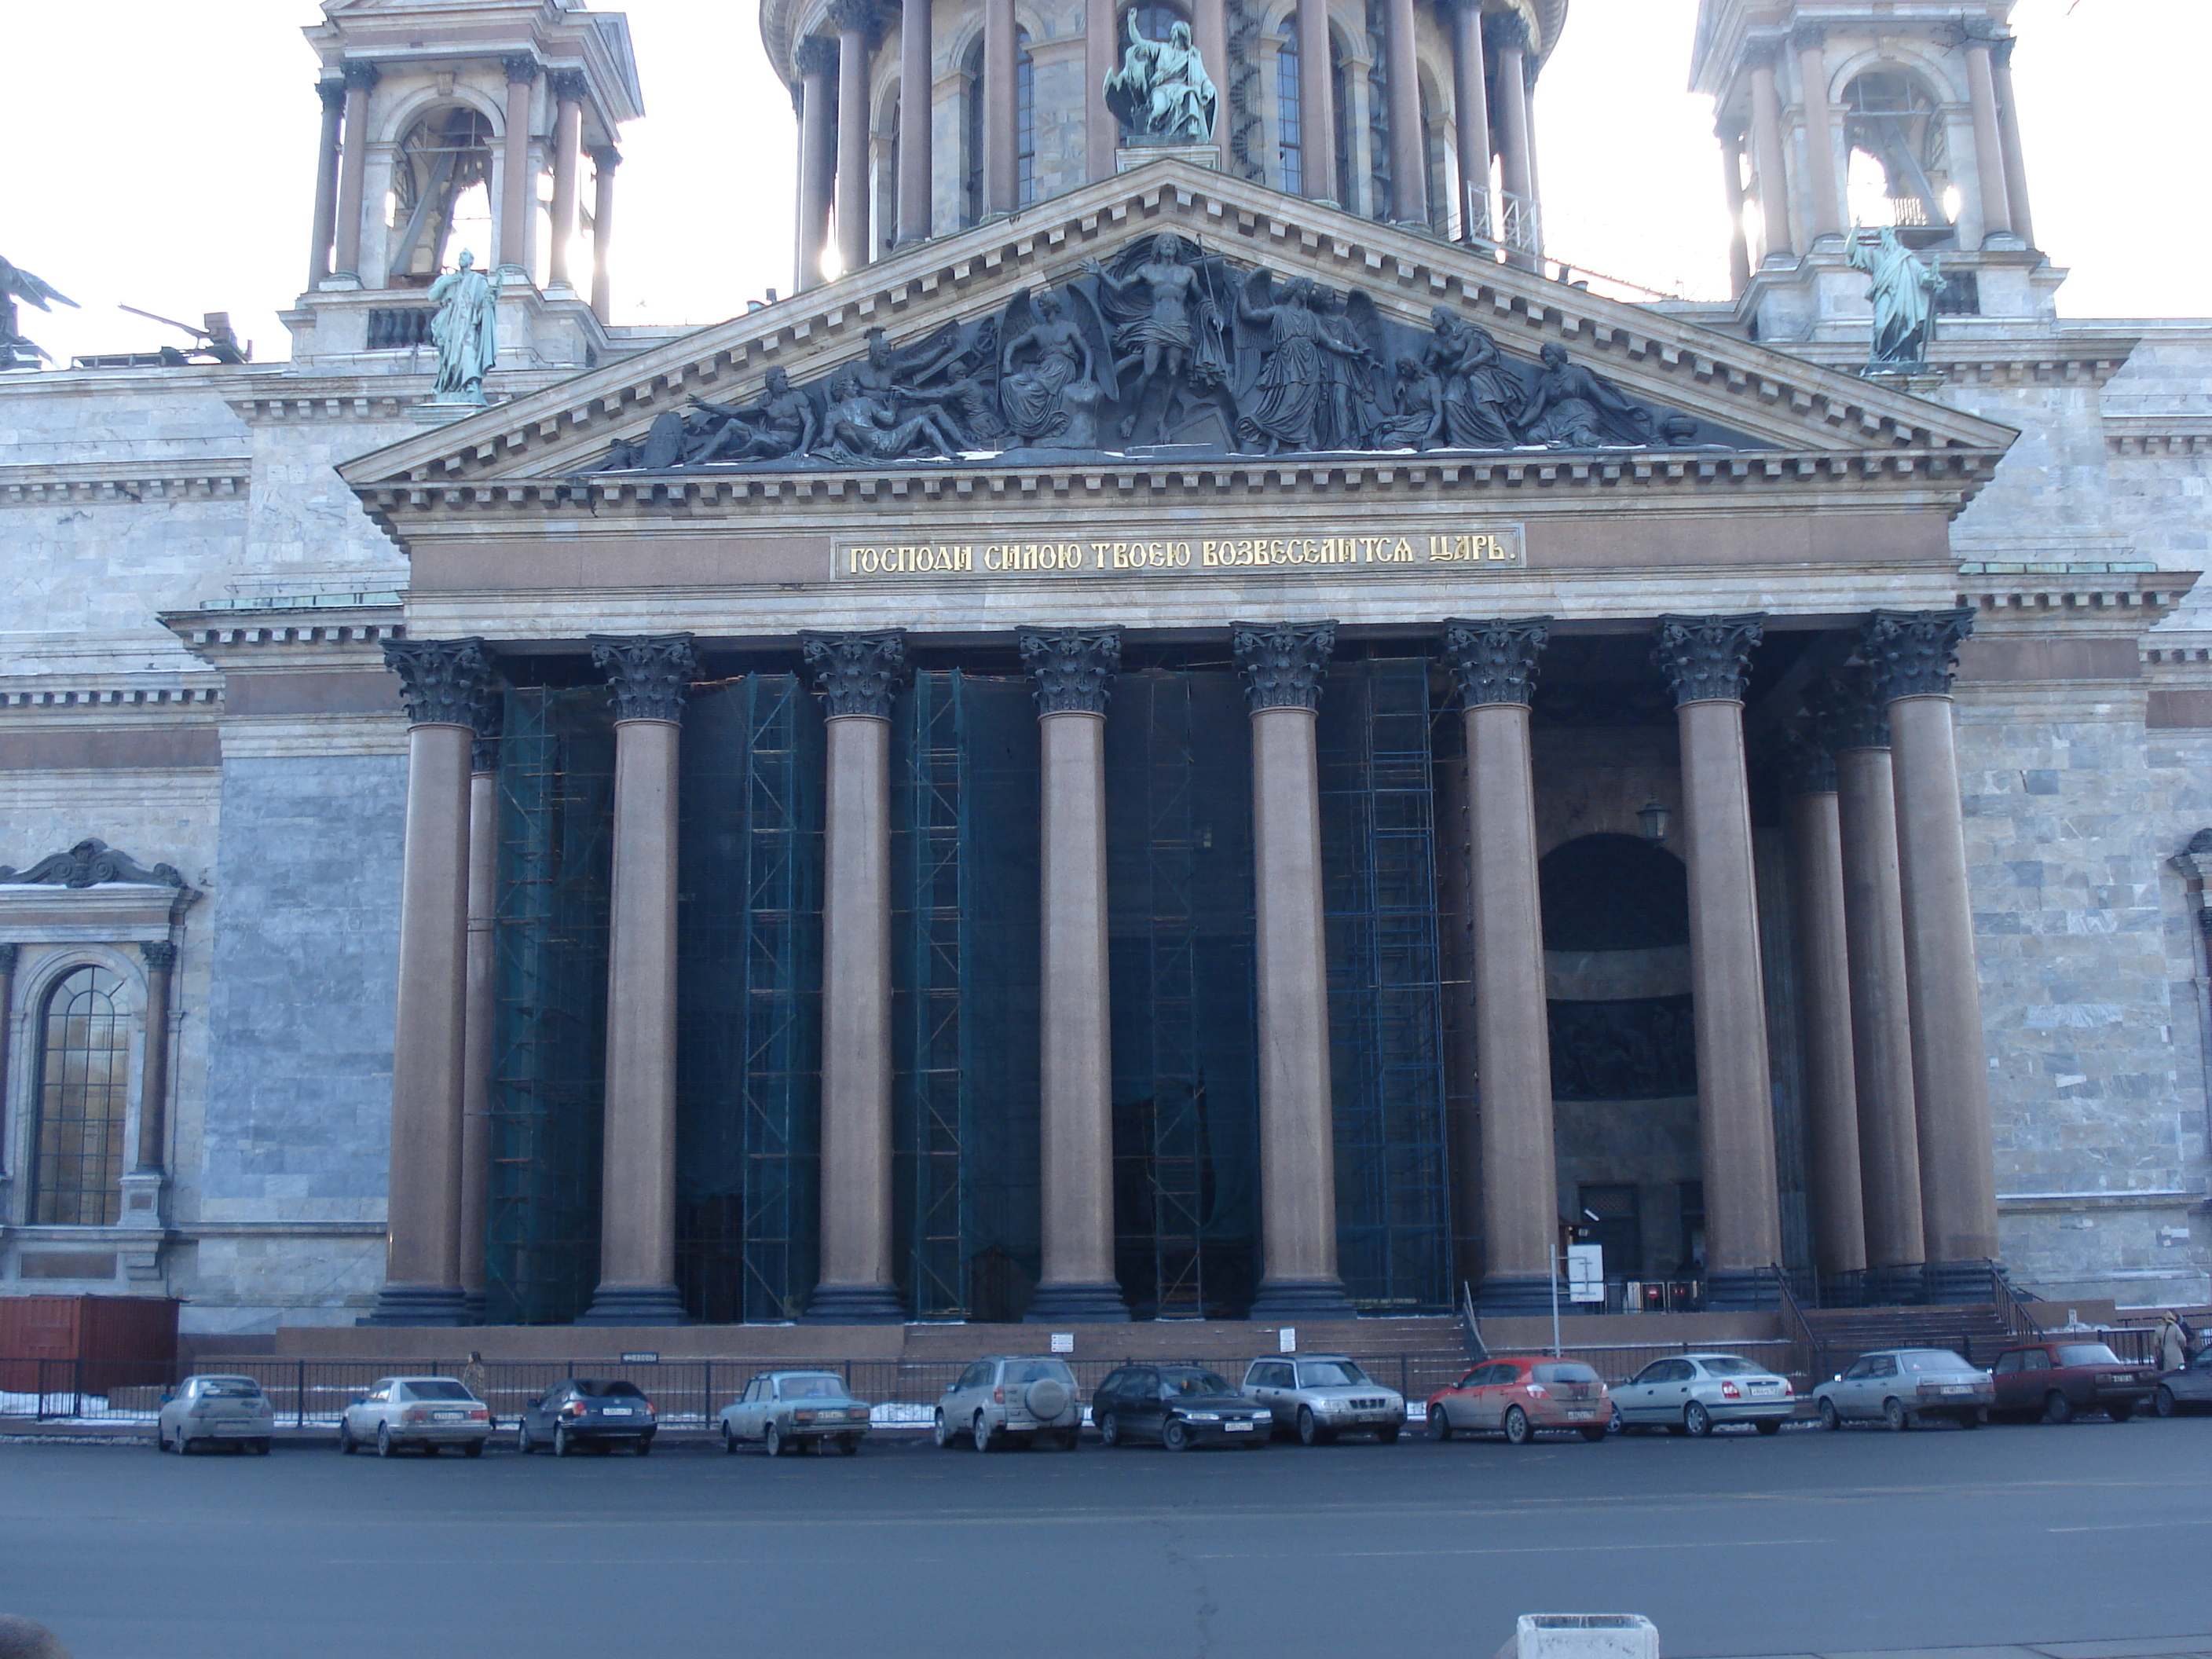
1900 159
971 126
441 185
1290 165
83 1087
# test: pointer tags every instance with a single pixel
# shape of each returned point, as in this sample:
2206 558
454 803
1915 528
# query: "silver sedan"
230 1410
423 1412
1319 1396
1905 1387
2189 1389
1694 1394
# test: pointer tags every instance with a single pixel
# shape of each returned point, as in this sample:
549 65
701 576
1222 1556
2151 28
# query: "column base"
1510 1296
1076 1304
1736 1288
1302 1298
477 1304
1898 1285
1955 1282
854 1304
420 1305
634 1305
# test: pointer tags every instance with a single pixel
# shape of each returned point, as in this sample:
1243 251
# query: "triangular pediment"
1705 393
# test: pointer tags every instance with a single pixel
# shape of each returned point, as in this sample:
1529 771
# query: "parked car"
223 1409
1694 1394
586 1411
426 1412
1518 1396
1179 1406
2187 1389
793 1410
1906 1387
2057 1380
1321 1395
1016 1397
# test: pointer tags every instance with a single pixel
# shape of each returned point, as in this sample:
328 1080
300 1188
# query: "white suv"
1012 1397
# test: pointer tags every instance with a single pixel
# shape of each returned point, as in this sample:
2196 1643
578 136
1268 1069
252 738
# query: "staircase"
1977 1330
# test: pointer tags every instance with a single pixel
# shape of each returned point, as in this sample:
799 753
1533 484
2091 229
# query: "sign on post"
1586 1272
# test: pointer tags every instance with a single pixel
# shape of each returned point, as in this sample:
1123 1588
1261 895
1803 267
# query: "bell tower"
1833 114
482 125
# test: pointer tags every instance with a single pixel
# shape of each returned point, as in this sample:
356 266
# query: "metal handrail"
2018 1322
1816 1349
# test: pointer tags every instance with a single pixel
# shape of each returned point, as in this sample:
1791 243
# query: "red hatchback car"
1517 1396
2059 1380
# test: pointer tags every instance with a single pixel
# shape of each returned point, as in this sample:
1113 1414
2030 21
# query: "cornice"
2083 601
278 641
1792 402
2158 436
2038 359
102 482
180 693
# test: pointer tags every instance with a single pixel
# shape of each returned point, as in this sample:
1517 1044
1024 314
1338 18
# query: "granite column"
517 197
817 150
915 137
1519 229
855 21
1809 41
858 676
1988 146
1317 101
569 90
1409 146
476 1018
1001 44
1471 110
649 676
606 158
161 959
1766 158
353 170
2015 162
329 157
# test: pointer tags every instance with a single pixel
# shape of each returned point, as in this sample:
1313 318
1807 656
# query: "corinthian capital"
1808 37
359 75
648 675
521 68
816 55
1073 667
858 674
570 86
1807 766
1495 661
442 682
1707 659
1913 654
1283 662
1847 714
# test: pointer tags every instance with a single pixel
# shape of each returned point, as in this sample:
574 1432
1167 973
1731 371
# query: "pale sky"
162 155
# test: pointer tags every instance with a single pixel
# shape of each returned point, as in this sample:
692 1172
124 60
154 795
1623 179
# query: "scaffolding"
1386 993
548 1083
748 1084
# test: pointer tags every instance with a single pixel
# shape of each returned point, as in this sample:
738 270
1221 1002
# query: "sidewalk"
2149 1647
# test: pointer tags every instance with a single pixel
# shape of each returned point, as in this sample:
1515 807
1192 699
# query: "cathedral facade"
1188 729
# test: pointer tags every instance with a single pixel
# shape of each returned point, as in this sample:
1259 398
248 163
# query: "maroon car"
2059 1380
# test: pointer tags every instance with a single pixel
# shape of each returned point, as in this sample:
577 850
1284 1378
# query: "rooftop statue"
1162 91
1903 289
18 283
464 332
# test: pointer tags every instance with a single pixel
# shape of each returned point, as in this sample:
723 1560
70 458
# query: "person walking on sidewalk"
2172 1345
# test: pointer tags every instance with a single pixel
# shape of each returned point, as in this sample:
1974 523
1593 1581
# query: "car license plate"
446 1417
616 1411
1577 1417
1238 1428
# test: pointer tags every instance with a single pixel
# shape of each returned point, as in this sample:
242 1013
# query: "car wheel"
1387 1435
849 1444
729 1441
347 1444
772 1441
1110 1430
564 1443
1697 1421
1440 1426
1517 1431
1768 1425
2121 1411
183 1444
1311 1433
1831 1419
524 1442
261 1447
979 1431
472 1449
384 1446
2058 1408
1175 1437
1894 1414
943 1432
2164 1401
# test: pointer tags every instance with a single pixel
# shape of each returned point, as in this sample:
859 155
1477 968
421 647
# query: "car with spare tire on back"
1012 1399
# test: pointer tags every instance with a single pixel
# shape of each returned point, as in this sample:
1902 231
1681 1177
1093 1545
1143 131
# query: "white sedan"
1695 1394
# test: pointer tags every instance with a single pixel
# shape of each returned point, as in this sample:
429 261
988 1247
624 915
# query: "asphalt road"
1736 1544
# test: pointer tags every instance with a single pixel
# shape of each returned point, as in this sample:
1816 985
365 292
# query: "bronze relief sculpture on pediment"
1166 348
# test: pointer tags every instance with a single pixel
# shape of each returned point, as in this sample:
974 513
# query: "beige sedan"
222 1410
426 1412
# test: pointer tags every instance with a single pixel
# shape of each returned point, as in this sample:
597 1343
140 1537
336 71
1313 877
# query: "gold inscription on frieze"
1467 550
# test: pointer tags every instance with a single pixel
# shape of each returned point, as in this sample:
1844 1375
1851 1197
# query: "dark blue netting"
749 976
548 1059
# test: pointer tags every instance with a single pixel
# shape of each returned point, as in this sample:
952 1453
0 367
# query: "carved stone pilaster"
858 674
816 55
570 86
360 76
648 675
1807 766
160 955
1283 662
1505 31
605 157
8 954
1847 714
442 682
1913 654
1708 659
1808 37
1495 661
332 93
88 864
1074 668
484 753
